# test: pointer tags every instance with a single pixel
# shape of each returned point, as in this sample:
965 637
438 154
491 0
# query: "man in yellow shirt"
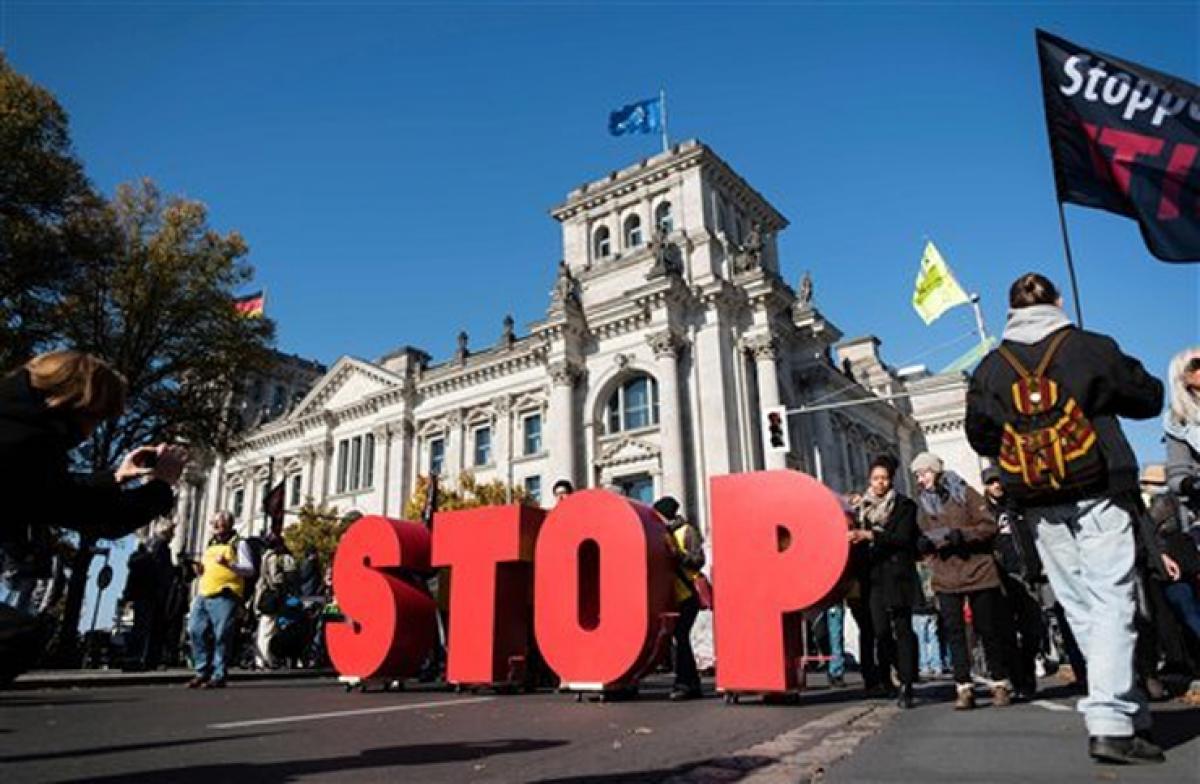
223 569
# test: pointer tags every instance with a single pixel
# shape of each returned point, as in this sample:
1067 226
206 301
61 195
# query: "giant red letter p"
779 548
390 624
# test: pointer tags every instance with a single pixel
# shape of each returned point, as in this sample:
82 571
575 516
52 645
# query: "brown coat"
970 567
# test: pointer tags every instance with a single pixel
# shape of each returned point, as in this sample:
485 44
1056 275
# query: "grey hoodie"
1032 324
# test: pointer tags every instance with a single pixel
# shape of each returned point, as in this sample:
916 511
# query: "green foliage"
43 193
319 528
468 494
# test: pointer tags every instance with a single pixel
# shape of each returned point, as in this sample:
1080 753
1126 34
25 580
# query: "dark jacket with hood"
40 491
1087 366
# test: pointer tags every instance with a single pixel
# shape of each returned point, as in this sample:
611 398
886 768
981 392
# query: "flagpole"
979 325
1062 222
662 98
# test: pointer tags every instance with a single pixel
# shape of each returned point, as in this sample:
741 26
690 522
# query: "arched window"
633 231
663 218
601 247
633 405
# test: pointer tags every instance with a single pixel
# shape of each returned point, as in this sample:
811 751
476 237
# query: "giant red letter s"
602 581
779 548
390 624
490 555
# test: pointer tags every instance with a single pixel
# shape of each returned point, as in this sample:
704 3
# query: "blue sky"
392 164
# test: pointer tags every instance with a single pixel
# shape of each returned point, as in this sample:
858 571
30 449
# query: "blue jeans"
835 623
1182 597
220 614
928 644
1087 549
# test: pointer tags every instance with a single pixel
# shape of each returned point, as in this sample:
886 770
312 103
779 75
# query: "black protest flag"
273 503
1124 138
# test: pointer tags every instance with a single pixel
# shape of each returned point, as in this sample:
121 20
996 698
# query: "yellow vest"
683 590
217 578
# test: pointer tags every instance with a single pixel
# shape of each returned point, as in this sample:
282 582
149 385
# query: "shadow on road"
1177 727
162 744
291 770
744 765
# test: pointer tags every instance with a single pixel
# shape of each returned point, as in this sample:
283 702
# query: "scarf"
1187 432
877 509
949 487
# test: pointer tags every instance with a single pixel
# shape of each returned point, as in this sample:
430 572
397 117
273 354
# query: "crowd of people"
1067 548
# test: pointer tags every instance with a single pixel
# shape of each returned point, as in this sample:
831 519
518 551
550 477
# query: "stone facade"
668 330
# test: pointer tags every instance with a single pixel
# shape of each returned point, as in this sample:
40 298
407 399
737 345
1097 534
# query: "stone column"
455 446
765 350
382 470
502 432
562 422
667 346
310 454
325 453
404 460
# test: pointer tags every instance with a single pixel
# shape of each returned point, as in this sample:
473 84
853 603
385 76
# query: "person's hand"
854 499
136 464
223 561
1172 568
171 461
955 538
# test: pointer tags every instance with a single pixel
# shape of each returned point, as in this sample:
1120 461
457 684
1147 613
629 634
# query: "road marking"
1051 706
229 725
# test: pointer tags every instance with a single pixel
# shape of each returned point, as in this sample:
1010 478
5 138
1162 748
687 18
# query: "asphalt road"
307 731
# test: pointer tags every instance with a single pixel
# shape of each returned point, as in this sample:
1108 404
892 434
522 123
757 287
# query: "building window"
633 405
239 503
663 218
437 455
483 446
633 231
532 429
296 486
533 488
601 243
356 463
368 474
343 465
279 401
639 488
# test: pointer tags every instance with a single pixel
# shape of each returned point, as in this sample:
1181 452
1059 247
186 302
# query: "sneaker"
837 681
905 700
1127 750
215 683
1001 695
680 693
966 697
197 682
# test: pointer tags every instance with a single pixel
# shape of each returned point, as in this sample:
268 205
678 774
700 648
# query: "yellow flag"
937 291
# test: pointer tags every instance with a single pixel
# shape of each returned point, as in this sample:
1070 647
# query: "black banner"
1125 138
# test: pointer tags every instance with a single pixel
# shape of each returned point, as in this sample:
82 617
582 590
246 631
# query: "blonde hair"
79 383
1185 403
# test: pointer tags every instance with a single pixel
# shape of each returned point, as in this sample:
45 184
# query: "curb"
799 756
109 678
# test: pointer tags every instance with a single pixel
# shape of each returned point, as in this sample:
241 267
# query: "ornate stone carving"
749 255
566 288
762 347
508 336
666 343
805 294
667 259
621 360
455 418
460 356
502 404
564 373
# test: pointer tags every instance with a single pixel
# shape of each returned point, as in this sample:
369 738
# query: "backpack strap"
1022 371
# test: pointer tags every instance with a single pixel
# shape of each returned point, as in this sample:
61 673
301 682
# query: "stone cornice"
630 180
445 378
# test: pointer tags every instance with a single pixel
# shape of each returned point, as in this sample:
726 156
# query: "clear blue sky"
392 164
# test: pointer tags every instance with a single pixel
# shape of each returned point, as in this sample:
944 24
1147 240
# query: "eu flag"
641 117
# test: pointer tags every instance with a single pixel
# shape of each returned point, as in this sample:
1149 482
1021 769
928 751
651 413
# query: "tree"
43 191
467 495
154 297
319 528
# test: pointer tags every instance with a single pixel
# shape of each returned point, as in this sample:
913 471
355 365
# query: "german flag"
252 305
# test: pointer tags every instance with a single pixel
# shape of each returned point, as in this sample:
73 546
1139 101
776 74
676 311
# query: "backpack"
1049 447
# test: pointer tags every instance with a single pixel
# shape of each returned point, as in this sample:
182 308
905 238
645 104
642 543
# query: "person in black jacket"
47 408
1045 407
889 526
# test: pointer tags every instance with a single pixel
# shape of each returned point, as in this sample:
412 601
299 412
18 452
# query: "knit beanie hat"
927 461
667 506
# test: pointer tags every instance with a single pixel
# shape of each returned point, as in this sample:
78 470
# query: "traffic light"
775 430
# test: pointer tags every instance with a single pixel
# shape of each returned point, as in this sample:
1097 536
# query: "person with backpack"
688 548
223 569
277 582
1044 406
